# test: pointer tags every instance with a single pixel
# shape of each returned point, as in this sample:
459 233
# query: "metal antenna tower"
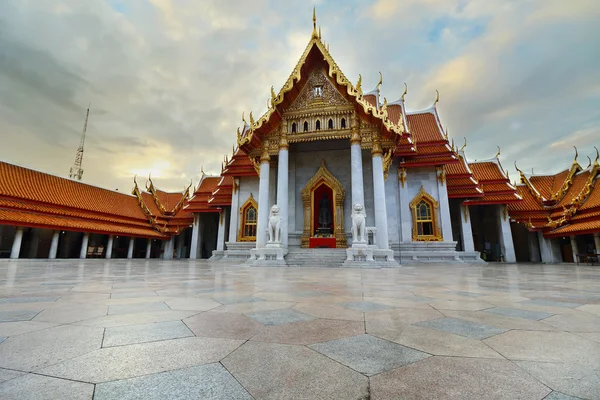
76 172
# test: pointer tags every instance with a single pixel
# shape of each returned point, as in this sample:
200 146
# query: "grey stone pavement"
140 329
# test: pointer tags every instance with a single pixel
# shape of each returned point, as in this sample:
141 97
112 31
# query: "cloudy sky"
169 79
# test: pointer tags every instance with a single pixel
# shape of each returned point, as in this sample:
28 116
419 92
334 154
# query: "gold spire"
315 35
405 91
359 85
576 155
319 31
380 81
464 145
498 153
437 97
251 120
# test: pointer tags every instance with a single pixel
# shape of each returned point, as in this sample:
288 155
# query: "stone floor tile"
545 346
107 321
459 305
499 321
237 299
33 386
255 306
591 336
223 325
516 313
129 295
192 304
279 317
18 327
210 381
2 339
5 300
560 396
328 311
274 371
435 342
310 293
34 350
309 332
461 327
575 323
368 354
66 313
572 379
365 306
7 374
124 362
137 308
591 308
550 303
398 318
123 335
457 378
18 315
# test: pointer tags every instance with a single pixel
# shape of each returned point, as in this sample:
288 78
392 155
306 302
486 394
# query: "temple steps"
318 258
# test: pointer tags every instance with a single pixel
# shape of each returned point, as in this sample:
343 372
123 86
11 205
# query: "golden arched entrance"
322 185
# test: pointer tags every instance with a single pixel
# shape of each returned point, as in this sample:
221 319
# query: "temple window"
294 127
318 125
343 123
249 216
425 220
318 91
330 124
305 126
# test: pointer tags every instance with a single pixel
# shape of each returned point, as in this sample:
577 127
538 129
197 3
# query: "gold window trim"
437 237
324 176
248 203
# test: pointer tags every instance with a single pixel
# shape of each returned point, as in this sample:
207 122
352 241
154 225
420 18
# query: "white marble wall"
392 199
549 249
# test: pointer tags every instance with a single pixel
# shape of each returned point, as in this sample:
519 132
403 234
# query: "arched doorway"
323 200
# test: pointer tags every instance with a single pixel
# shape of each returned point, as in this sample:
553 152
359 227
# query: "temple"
329 175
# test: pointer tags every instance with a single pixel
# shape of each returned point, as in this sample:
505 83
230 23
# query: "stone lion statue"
359 224
274 224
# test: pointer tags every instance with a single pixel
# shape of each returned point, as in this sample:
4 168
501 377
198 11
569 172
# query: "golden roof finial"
405 91
384 105
464 145
437 97
319 31
453 145
273 96
202 170
251 119
446 134
498 153
315 35
359 85
576 154
380 81
596 160
589 162
243 118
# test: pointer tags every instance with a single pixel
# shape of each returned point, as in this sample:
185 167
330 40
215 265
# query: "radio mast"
76 172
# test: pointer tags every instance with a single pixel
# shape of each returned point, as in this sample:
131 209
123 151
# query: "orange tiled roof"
221 196
60 203
493 181
202 194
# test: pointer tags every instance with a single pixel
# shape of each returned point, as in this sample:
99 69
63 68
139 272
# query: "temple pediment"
318 94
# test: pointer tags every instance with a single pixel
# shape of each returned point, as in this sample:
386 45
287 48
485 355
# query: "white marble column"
263 201
356 163
445 220
54 245
16 246
194 254
169 249
534 247
109 247
405 217
379 195
130 248
506 240
574 248
549 250
597 242
84 245
466 230
282 183
221 230
148 248
235 211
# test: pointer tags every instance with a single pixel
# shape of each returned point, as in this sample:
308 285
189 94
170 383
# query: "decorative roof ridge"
145 210
431 110
532 189
340 79
66 179
462 156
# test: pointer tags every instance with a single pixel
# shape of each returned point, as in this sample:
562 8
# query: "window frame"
250 203
436 235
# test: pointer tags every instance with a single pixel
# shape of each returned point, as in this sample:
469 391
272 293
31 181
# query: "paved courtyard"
194 330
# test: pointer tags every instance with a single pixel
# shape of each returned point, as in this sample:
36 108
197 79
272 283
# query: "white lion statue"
359 224
274 224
